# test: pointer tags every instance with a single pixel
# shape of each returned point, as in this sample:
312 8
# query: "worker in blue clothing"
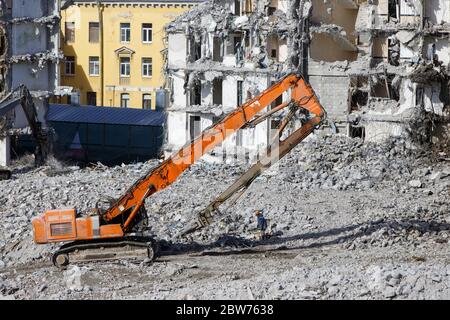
261 224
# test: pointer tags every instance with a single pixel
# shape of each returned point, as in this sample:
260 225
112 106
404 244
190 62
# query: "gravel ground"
351 220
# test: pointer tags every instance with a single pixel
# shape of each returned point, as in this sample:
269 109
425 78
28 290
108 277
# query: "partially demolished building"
380 68
29 55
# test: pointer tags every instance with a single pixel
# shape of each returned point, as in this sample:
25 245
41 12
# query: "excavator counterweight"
123 223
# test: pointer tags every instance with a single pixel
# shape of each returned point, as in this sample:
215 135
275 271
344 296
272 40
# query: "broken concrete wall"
31 53
368 61
332 88
220 54
437 11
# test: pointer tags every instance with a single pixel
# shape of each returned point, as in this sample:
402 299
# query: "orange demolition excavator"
121 230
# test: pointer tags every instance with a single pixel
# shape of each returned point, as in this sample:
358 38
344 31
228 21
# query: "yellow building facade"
114 53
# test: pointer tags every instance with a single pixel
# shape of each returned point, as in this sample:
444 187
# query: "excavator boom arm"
168 171
206 216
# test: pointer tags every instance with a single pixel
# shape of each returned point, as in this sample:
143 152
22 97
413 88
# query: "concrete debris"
50 20
394 62
40 57
357 218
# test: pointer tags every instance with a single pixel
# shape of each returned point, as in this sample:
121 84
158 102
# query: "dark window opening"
2 45
217 91
217 49
237 7
196 97
393 52
239 92
393 10
359 99
357 132
237 44
92 98
194 126
195 49
273 53
384 89
275 124
238 49
419 97
215 120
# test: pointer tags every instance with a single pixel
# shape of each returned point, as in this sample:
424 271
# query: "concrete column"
5 151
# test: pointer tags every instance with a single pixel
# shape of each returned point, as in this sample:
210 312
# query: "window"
196 95
125 32
239 138
195 49
70 32
146 67
70 66
194 126
94 32
125 67
237 44
217 91
91 98
147 32
273 53
94 66
239 92
124 100
146 101
217 49
237 7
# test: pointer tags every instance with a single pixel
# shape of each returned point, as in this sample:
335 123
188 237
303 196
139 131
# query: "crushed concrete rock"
346 224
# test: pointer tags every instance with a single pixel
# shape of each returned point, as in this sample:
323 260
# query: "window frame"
146 32
148 66
98 32
127 32
67 63
125 64
72 40
91 93
144 100
122 95
97 64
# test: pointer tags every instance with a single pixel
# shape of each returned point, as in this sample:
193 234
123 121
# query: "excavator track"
106 250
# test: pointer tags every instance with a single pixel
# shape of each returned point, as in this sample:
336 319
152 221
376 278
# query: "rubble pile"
341 163
397 202
329 164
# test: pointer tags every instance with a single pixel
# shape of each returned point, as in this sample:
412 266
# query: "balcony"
124 81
